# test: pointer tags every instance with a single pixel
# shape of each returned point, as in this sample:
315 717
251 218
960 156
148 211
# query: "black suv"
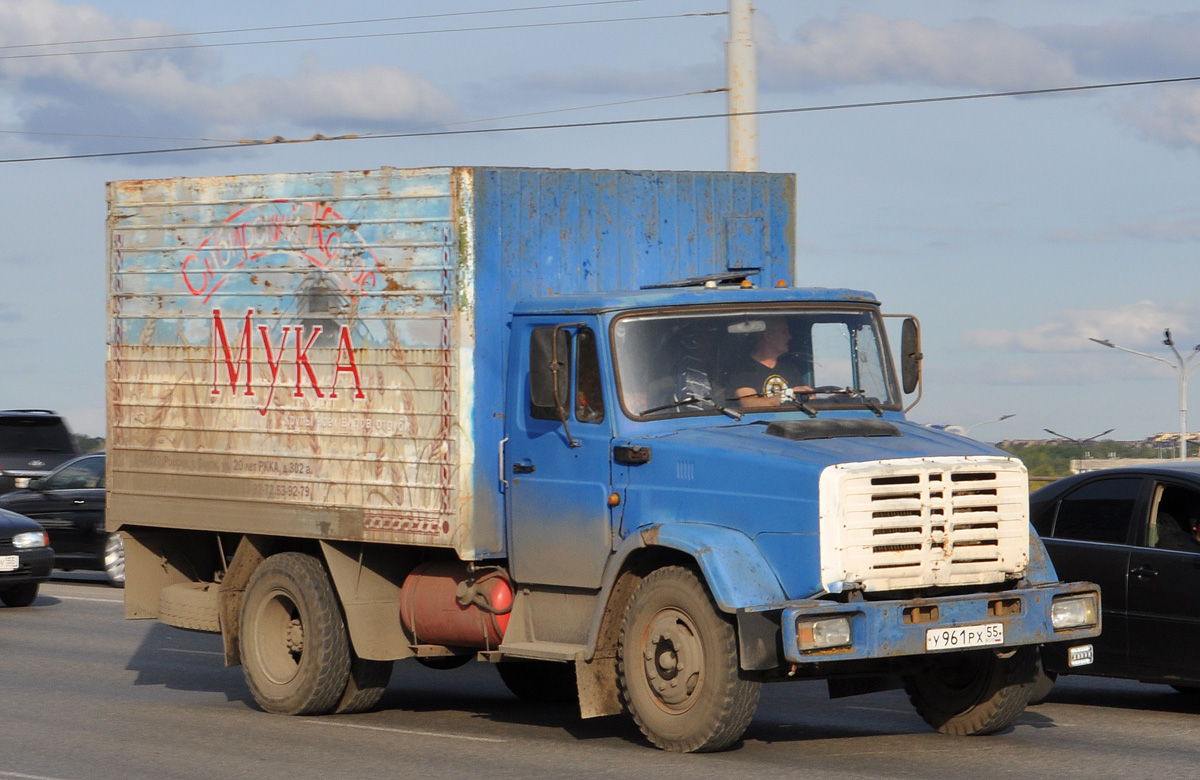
33 442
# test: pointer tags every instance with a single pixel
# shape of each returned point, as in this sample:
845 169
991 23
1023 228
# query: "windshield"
736 361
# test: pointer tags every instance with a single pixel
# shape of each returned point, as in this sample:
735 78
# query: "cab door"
557 460
1164 580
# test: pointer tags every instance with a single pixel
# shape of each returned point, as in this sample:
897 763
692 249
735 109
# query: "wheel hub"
674 659
295 637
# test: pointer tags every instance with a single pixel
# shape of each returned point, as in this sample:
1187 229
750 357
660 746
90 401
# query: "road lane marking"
19 776
408 732
194 652
80 598
879 709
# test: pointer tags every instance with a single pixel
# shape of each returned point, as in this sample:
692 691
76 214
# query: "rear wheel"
677 666
366 686
295 652
973 692
540 682
190 605
19 595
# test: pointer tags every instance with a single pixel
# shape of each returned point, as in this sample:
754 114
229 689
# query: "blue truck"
577 424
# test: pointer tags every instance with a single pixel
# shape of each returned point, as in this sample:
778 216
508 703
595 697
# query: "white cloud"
1136 326
1169 114
863 48
855 48
1185 230
180 92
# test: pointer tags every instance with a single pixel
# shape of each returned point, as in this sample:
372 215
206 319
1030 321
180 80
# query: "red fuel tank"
444 603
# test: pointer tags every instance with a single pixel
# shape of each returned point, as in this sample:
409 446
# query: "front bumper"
891 629
33 566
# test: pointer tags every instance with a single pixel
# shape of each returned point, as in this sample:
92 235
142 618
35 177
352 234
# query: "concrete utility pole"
742 84
1183 367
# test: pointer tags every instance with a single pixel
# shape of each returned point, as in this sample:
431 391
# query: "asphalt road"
87 695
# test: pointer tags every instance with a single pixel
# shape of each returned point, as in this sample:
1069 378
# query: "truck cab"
836 537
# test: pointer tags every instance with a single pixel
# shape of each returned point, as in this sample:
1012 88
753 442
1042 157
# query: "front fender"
736 572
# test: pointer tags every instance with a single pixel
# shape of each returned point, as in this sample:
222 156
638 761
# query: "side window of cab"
564 374
589 398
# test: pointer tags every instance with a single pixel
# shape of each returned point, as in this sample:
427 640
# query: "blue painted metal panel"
542 237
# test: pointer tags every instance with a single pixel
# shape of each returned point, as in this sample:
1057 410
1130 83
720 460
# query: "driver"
769 374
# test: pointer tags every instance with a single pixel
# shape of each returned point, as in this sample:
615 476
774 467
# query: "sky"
1015 228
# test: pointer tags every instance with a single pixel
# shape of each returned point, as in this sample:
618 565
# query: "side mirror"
549 373
910 355
35 483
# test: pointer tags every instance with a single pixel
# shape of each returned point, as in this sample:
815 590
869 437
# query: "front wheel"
677 666
113 559
19 595
974 692
295 651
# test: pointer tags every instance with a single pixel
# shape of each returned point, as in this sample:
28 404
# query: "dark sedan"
25 559
1133 531
69 504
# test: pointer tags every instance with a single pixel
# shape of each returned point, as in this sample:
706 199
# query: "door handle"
77 501
1144 572
524 468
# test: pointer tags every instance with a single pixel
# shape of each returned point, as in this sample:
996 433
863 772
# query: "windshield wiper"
851 392
796 402
692 399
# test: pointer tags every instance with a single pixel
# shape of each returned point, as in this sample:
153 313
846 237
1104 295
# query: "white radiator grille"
887 525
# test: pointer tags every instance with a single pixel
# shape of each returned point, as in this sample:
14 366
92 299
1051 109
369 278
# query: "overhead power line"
589 107
310 25
359 36
619 122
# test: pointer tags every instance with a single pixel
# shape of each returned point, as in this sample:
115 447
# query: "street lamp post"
1079 442
1183 367
1001 418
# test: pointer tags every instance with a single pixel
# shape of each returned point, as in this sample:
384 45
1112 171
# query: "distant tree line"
88 444
1053 459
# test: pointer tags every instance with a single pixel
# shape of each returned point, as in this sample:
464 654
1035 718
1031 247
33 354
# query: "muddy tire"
366 686
974 692
295 652
540 682
677 666
19 595
113 560
190 605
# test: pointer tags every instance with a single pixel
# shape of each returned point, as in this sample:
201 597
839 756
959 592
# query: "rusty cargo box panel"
322 354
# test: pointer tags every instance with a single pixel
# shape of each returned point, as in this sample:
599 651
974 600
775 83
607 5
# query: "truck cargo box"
320 354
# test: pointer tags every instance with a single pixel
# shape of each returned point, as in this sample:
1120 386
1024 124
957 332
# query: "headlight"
819 633
1074 611
30 539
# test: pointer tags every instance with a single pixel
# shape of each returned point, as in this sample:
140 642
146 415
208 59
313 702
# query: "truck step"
543 651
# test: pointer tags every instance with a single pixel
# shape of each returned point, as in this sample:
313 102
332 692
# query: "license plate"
9 562
959 637
21 482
